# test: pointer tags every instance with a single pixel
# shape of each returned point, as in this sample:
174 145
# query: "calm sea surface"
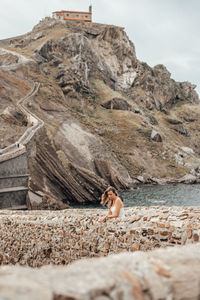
169 195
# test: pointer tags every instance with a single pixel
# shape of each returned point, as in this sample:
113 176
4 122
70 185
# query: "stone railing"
36 238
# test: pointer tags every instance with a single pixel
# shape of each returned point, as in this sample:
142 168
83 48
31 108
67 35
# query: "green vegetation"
146 66
173 121
90 97
152 120
145 132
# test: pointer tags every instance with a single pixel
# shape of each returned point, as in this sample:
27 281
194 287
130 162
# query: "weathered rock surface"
163 91
86 150
67 181
188 178
40 201
100 57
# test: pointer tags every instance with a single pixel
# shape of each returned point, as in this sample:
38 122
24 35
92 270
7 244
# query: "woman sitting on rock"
115 204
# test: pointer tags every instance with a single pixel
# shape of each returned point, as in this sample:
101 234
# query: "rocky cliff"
109 118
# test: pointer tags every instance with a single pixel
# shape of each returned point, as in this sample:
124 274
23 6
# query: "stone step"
16 207
13 196
14 176
13 189
13 180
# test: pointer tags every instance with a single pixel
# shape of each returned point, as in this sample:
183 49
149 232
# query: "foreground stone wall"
172 273
37 238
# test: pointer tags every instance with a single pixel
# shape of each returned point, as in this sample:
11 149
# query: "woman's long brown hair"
104 197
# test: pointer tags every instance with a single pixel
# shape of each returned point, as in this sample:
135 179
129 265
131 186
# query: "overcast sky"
163 31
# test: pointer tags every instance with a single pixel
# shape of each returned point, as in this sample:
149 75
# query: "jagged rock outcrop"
106 171
110 56
163 91
14 116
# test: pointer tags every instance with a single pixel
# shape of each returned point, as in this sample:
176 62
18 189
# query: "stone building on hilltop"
73 15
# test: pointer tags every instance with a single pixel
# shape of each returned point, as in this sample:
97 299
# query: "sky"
163 31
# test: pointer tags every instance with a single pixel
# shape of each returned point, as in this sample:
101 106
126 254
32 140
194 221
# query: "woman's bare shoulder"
119 201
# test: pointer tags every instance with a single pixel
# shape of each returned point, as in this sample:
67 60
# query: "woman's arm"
106 217
109 212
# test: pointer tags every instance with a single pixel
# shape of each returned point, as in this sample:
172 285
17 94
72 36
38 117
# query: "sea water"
158 195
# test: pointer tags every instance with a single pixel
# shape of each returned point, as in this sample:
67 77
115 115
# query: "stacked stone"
171 273
37 238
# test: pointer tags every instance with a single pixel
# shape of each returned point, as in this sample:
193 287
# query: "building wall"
14 165
13 180
73 15
14 198
36 238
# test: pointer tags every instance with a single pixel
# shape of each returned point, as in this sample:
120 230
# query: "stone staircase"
13 160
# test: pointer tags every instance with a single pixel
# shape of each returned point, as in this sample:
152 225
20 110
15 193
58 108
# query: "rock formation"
100 106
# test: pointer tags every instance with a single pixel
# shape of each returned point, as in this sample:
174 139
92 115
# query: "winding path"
18 148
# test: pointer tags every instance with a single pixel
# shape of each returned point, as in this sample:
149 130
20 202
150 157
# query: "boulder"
117 103
40 201
50 203
38 58
187 150
155 136
181 129
188 178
